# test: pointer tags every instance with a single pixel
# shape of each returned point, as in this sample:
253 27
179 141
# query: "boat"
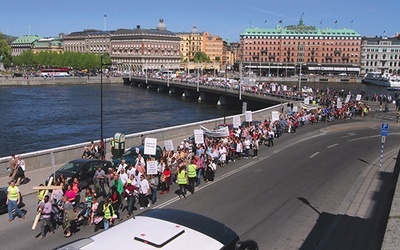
379 79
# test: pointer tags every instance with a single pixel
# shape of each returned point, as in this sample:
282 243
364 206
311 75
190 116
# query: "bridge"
221 95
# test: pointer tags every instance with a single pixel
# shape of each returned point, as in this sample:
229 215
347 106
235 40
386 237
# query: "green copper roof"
298 32
26 39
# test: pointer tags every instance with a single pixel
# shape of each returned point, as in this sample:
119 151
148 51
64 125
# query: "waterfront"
42 117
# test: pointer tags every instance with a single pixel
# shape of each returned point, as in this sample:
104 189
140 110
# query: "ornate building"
139 49
381 54
195 41
88 41
23 43
51 44
288 48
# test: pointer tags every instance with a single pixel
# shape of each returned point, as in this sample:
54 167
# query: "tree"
201 57
5 51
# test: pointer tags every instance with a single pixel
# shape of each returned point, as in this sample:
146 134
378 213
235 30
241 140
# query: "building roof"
26 39
299 30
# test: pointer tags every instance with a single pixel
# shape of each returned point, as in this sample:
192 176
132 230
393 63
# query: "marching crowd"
120 188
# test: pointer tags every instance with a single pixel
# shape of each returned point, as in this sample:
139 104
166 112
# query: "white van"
165 229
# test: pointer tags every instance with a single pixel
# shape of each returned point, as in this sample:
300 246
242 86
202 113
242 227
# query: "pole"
146 71
101 103
300 77
240 81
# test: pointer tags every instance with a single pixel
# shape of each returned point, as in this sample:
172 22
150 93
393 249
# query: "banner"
198 136
249 116
150 145
168 144
339 103
348 98
151 167
358 98
236 121
275 116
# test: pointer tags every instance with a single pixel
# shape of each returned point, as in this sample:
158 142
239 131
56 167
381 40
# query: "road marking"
333 145
348 135
315 154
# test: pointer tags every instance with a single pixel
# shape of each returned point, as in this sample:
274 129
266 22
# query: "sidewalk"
37 177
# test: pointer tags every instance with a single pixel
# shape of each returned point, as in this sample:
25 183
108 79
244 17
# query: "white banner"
275 116
151 167
339 103
348 98
294 109
236 121
168 144
150 145
358 98
198 136
249 116
306 100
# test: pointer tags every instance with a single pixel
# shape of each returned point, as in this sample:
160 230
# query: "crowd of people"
122 187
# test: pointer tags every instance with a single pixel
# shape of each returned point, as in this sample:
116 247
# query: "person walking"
13 199
191 174
182 181
45 215
153 186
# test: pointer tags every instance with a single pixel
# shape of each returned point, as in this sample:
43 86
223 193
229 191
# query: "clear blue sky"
226 19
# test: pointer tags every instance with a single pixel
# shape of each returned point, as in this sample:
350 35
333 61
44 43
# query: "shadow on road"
340 231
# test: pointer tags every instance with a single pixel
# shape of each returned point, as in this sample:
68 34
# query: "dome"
161 25
195 30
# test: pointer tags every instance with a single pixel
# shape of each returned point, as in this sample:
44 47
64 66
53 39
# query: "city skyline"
222 18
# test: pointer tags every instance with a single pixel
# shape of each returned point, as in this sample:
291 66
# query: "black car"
3 200
83 169
131 154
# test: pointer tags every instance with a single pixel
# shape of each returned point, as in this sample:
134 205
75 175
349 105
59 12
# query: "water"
41 117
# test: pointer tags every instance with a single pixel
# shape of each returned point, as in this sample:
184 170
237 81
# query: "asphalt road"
299 194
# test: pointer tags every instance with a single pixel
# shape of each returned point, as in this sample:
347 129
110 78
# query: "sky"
226 19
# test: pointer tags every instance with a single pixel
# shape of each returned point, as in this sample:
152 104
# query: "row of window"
382 64
384 57
301 37
301 48
302 43
300 60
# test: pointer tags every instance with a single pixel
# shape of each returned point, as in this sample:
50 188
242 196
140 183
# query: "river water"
35 118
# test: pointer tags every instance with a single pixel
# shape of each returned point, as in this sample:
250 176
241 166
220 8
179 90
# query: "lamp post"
101 104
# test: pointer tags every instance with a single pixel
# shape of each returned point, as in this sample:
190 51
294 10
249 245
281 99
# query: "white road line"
333 145
315 154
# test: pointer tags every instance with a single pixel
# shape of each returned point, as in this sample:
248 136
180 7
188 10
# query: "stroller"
57 214
82 211
98 218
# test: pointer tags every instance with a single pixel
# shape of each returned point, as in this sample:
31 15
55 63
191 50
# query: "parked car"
131 154
83 169
3 199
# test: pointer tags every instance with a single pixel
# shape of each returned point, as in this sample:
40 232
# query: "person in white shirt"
123 177
121 166
144 189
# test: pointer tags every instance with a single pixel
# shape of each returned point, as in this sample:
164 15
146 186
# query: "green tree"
201 57
5 51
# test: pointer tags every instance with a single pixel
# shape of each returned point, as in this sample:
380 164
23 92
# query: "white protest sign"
295 109
236 121
151 167
273 89
339 103
284 88
347 98
150 145
306 100
275 116
168 144
198 136
249 116
358 98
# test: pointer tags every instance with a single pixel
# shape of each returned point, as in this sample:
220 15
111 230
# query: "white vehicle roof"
159 229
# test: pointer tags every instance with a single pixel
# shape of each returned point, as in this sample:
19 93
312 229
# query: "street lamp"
101 104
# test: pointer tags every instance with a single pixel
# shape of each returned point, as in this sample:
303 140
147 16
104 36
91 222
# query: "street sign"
383 139
385 129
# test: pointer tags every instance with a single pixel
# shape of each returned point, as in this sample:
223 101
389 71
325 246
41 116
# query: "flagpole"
105 22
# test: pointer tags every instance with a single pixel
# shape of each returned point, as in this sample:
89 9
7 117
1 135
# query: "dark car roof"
84 160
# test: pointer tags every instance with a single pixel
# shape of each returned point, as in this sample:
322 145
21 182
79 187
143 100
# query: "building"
381 54
287 50
194 42
51 44
23 43
88 41
140 49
